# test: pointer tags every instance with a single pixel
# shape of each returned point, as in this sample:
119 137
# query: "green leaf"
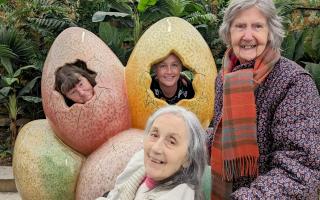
18 43
12 107
3 1
5 91
28 87
6 52
109 34
124 6
289 46
100 15
202 19
316 39
49 23
31 99
188 74
299 49
115 38
145 4
314 70
18 72
9 81
176 7
294 45
6 62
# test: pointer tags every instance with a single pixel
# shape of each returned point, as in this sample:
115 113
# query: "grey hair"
197 151
267 7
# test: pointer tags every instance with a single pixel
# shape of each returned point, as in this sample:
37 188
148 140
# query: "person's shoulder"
137 159
135 163
289 67
180 192
286 70
183 187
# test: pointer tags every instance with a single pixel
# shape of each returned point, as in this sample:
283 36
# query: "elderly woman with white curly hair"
172 162
265 135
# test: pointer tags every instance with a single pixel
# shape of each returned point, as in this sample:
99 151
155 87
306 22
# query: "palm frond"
197 18
285 9
18 45
173 7
152 15
5 51
50 23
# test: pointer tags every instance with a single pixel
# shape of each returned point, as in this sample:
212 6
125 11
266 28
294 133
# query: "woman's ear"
186 163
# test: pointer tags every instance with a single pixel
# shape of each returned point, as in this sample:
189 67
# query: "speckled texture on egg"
84 127
102 167
170 35
44 168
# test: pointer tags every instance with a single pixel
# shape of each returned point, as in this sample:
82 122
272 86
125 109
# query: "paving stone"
10 196
7 183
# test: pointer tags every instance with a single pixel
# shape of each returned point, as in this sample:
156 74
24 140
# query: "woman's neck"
168 91
150 183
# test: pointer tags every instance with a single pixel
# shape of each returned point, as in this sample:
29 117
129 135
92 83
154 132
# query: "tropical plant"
210 31
302 41
123 22
40 20
85 10
22 59
312 58
120 26
17 80
314 70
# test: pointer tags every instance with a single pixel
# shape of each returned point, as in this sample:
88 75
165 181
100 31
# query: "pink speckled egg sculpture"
84 127
102 167
44 167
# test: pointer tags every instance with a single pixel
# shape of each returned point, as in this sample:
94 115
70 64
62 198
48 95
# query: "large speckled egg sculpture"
99 173
170 35
44 168
85 127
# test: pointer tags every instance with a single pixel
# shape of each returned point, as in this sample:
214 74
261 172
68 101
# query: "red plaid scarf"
235 152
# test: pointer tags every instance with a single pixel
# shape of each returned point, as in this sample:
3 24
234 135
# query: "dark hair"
66 76
197 154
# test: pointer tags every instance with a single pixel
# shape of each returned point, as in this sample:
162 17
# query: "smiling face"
82 91
168 72
249 34
165 147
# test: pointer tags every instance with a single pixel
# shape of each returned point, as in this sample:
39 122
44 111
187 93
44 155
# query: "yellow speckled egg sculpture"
170 35
44 167
84 127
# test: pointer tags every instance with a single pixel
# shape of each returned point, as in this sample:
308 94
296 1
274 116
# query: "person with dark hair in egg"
75 82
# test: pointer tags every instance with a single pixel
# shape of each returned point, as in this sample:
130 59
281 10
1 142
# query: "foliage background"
28 28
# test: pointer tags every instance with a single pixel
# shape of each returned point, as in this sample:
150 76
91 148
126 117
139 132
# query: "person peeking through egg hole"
75 82
169 82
